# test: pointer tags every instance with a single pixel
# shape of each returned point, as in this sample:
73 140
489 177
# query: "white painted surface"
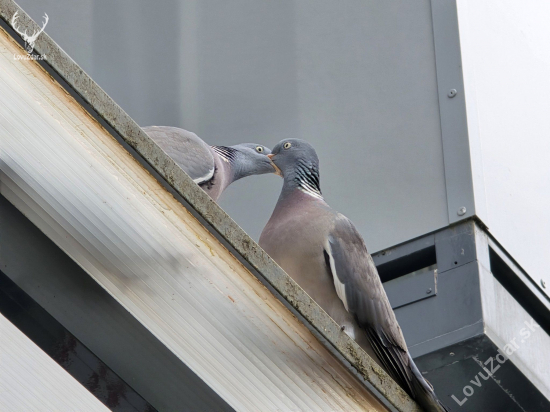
507 323
506 60
31 381
84 191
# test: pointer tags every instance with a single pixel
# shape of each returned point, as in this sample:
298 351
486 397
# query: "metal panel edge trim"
452 111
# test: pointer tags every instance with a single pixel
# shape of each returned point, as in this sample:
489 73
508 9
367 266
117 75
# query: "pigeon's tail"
424 392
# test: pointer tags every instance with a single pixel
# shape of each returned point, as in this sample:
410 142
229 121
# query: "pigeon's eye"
259 149
287 145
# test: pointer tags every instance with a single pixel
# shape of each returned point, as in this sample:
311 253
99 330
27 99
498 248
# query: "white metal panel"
506 61
31 381
507 323
82 189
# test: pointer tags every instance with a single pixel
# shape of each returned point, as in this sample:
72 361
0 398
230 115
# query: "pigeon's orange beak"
277 170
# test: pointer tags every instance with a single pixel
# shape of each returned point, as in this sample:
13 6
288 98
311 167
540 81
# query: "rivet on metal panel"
452 93
429 291
543 283
461 211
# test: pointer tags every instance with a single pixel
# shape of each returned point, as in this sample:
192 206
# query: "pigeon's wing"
188 150
359 287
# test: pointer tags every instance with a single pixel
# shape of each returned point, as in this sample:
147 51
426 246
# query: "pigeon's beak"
277 170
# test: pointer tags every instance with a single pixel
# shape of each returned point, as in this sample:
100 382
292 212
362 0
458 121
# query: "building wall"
506 64
355 78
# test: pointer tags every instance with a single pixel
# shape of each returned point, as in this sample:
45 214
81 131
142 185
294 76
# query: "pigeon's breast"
295 239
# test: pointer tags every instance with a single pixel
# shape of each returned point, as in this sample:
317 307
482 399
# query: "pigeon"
324 253
213 168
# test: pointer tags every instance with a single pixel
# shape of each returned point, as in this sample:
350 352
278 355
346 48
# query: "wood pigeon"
325 254
213 168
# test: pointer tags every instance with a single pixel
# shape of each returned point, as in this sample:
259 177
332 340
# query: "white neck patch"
308 190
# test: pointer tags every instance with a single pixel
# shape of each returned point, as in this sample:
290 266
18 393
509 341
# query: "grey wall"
70 25
356 78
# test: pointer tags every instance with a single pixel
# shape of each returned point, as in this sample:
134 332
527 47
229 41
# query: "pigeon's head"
292 154
297 162
251 159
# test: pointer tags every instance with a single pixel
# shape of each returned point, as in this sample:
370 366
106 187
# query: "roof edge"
213 214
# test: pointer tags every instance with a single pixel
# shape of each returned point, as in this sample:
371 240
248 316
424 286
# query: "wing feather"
188 150
359 287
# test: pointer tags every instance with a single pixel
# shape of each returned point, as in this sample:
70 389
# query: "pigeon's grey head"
297 162
289 154
250 159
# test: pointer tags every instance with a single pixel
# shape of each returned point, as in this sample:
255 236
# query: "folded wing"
359 287
188 150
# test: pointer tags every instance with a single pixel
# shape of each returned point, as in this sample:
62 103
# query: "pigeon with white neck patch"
325 254
213 168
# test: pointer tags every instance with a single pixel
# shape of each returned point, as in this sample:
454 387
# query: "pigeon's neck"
305 178
230 160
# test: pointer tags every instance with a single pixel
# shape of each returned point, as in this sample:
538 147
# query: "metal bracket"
415 286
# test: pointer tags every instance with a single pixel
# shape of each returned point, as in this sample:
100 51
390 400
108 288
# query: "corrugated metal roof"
88 194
